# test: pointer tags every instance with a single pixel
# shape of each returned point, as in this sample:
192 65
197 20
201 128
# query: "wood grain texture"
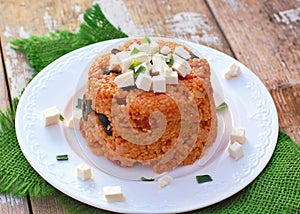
47 205
4 100
13 205
264 35
23 18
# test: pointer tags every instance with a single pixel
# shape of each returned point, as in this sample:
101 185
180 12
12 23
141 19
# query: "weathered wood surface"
264 35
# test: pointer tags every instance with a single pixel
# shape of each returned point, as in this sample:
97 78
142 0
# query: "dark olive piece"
193 56
86 108
105 123
115 51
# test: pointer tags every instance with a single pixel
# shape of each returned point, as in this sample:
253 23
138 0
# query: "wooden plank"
8 203
4 100
265 35
13 205
20 19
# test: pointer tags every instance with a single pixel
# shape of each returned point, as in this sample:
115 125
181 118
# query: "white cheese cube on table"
164 181
165 50
74 121
125 79
114 62
232 71
113 193
172 78
236 150
50 116
238 134
144 82
181 66
159 84
180 51
125 59
84 172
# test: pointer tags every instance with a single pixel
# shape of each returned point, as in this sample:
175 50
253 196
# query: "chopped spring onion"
147 179
79 103
62 157
170 59
146 40
222 106
134 51
203 178
141 69
61 118
134 64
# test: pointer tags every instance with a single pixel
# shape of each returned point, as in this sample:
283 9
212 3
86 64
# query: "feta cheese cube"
50 116
181 66
172 78
144 82
165 50
158 62
154 48
151 48
164 181
114 62
113 193
74 121
145 47
238 134
84 172
134 45
159 84
236 150
142 57
124 59
180 51
232 71
125 79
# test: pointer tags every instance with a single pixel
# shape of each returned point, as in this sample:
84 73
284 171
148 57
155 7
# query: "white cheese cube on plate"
232 71
74 121
236 150
144 82
180 51
181 66
134 45
114 62
125 79
238 134
142 57
151 48
84 172
172 78
124 59
50 116
158 62
113 193
165 50
164 181
159 84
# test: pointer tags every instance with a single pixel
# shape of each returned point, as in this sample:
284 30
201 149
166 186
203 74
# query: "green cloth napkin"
276 190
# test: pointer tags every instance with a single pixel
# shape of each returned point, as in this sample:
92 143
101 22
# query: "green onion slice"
170 59
134 51
141 69
62 157
134 64
79 103
203 178
147 179
222 106
146 40
61 118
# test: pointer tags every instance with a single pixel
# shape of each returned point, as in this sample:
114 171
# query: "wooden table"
263 35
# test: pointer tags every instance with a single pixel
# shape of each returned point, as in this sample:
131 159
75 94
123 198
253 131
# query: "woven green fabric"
276 190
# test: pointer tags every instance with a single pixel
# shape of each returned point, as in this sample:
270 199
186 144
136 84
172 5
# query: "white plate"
250 106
